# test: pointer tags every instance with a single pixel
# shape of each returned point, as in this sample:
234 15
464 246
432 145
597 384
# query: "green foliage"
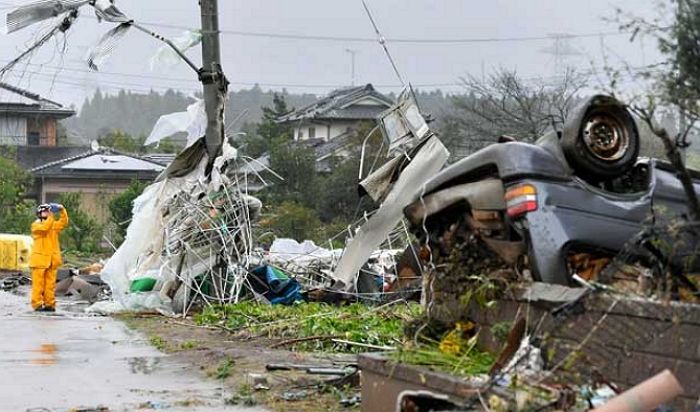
134 113
224 369
121 207
469 362
158 343
269 132
16 213
292 220
500 330
680 45
123 142
105 112
188 344
356 322
297 165
338 197
83 232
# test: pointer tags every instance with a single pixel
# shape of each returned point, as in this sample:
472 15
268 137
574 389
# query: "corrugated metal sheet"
112 162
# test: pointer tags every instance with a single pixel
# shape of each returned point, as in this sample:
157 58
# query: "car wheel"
601 141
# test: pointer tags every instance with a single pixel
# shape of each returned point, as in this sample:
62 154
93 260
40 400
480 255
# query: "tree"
296 164
269 131
338 197
121 207
83 233
16 213
674 83
505 104
290 219
118 140
338 200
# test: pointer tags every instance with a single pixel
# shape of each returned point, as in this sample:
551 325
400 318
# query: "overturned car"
580 189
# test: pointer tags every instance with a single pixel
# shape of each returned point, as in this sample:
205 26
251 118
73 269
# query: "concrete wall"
95 194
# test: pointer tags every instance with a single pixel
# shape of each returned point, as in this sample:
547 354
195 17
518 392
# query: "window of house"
33 138
312 132
301 134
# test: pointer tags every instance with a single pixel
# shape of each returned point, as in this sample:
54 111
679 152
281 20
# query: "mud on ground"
232 358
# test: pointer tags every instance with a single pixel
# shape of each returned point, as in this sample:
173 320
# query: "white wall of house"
326 131
13 130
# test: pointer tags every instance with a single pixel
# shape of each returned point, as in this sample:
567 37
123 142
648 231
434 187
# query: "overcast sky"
319 65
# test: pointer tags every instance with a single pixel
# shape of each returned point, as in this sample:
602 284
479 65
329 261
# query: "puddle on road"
70 353
46 355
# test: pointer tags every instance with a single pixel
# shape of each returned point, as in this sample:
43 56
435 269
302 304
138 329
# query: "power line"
237 83
398 40
348 39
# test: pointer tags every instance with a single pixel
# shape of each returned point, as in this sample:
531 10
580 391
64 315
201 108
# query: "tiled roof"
339 105
105 161
30 157
15 99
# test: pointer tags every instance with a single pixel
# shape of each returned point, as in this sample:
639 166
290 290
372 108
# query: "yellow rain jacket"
46 252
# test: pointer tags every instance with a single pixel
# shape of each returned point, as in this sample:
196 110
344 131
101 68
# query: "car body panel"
570 212
510 160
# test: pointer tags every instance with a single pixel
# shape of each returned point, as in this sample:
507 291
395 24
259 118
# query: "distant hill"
136 113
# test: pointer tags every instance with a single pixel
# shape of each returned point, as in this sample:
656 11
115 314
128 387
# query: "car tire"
601 141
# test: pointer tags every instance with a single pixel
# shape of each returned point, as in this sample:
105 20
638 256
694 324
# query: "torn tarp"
167 57
429 159
275 286
193 122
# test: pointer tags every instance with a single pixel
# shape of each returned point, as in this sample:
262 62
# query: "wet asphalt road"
70 360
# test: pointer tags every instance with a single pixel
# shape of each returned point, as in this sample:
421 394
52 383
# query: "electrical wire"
397 40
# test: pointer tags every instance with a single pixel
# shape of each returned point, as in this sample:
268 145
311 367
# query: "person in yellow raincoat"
46 255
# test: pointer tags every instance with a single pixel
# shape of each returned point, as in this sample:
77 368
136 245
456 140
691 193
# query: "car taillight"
520 200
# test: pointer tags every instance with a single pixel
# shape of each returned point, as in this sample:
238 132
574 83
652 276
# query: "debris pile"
190 238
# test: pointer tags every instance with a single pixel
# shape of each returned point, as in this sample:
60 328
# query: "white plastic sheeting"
193 122
302 258
142 252
166 57
283 249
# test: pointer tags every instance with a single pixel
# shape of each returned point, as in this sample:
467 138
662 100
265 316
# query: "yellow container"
14 252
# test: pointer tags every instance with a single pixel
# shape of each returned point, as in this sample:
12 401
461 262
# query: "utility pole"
213 79
352 56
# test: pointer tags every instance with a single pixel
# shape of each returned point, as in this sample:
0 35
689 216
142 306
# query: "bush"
16 213
83 233
121 208
292 220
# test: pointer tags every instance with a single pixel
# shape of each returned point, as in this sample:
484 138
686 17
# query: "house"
337 114
27 119
98 175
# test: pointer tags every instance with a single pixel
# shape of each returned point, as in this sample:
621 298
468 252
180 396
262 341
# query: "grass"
244 396
470 362
356 323
159 343
225 369
188 344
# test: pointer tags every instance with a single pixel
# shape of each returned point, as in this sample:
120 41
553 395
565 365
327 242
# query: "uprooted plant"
316 326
